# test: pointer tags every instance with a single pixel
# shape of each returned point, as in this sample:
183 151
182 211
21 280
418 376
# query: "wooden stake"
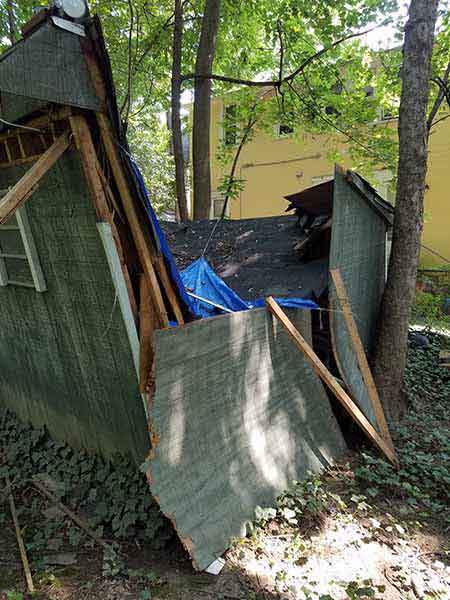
23 189
168 288
321 370
361 355
146 327
23 552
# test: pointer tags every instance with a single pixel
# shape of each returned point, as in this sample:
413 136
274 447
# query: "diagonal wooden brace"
341 395
25 187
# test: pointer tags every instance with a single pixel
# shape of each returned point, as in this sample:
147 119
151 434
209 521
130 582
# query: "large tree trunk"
202 110
11 21
390 352
177 133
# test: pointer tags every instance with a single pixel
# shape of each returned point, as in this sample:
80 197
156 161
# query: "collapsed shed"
99 340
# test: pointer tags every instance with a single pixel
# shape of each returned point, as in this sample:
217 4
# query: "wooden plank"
361 355
20 542
41 123
30 249
168 288
23 189
142 244
126 274
146 328
331 382
106 234
85 146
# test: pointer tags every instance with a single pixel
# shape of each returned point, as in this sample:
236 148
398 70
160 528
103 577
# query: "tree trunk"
11 21
202 110
390 352
177 134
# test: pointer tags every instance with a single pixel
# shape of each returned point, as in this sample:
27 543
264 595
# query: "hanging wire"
19 126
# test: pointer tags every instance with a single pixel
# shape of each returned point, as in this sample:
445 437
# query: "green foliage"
428 310
422 484
113 497
13 595
305 502
149 141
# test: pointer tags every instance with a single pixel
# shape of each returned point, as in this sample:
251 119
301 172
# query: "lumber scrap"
73 516
85 147
363 364
146 327
168 288
331 382
140 240
24 188
20 543
142 244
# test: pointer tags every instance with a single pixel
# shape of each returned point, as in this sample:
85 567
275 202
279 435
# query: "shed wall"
65 358
358 250
238 414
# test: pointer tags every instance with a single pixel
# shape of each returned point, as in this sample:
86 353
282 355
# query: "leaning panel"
237 415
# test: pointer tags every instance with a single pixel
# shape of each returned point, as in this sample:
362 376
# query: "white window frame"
31 254
216 195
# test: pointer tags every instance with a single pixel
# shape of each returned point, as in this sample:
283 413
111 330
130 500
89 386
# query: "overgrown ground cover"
362 530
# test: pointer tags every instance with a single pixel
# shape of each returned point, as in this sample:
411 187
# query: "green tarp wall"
358 250
65 358
237 415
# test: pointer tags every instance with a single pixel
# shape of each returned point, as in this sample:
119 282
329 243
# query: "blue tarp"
200 279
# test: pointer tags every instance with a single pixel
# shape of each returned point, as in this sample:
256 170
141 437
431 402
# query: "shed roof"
318 200
255 257
49 66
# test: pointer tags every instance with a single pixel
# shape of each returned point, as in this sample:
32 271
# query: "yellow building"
273 166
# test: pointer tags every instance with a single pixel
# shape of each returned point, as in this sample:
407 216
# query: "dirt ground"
364 530
355 553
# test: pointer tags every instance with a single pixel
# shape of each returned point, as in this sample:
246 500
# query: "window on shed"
19 262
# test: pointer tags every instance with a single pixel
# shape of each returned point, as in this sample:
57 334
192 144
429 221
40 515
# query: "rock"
418 340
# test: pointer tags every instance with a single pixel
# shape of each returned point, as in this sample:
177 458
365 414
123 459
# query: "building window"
19 262
217 202
284 129
231 126
385 185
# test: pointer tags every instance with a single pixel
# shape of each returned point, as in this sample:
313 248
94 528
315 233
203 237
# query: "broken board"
236 417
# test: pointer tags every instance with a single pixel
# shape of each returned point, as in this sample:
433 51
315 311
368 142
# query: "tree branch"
440 97
277 83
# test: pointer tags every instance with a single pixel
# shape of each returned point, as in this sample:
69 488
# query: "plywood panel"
358 245
237 415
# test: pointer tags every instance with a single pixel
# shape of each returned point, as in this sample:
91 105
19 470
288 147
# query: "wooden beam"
352 329
23 189
146 328
168 288
142 244
20 161
85 147
331 382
